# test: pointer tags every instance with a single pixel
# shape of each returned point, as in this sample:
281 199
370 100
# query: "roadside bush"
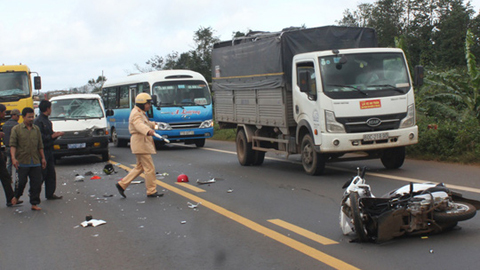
447 140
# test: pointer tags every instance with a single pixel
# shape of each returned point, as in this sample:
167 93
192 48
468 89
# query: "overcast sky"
69 42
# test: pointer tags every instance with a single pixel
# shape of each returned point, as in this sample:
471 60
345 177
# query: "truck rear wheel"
313 162
245 154
258 157
393 158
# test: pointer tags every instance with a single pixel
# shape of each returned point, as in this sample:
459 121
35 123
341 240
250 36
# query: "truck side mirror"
418 76
37 81
110 112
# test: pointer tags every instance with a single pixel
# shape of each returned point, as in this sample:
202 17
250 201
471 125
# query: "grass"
223 134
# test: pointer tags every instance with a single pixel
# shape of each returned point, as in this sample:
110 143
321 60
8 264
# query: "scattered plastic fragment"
141 202
107 195
95 177
206 181
136 182
229 190
191 205
431 251
183 222
79 178
88 173
424 237
93 223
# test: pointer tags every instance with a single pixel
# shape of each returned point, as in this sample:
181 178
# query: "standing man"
7 129
27 156
48 138
4 175
142 146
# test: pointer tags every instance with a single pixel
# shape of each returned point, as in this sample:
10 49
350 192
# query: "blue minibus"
182 105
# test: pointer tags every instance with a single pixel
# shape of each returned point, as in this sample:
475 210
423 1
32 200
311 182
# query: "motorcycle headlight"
163 126
331 123
207 124
409 120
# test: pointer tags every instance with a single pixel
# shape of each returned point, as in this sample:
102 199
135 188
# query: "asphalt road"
267 217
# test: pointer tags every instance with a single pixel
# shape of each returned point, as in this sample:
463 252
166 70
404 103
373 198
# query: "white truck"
324 93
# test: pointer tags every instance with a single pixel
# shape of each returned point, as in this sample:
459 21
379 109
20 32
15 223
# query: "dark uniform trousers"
35 175
49 174
6 179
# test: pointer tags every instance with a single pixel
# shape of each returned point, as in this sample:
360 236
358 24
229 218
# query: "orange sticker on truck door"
370 104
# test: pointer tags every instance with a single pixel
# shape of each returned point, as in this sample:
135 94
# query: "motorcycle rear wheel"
358 223
462 211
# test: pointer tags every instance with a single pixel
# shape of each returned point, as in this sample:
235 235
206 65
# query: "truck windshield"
182 93
364 75
14 84
68 109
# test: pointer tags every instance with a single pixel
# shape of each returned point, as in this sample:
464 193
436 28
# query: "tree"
449 36
95 86
197 60
419 24
358 18
386 19
453 94
433 30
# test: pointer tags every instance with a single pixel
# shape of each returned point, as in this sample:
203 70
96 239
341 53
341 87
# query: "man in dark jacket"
4 175
48 138
7 129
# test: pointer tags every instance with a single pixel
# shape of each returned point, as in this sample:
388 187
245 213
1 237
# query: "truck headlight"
409 120
207 124
163 126
331 123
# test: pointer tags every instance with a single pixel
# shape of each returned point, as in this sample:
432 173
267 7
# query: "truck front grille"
359 124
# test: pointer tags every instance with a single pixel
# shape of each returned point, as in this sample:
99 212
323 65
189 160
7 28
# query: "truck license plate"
375 137
76 145
186 132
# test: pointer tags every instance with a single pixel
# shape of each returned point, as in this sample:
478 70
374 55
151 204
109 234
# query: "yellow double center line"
292 243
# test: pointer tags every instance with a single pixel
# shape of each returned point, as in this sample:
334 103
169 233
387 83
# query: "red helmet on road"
182 178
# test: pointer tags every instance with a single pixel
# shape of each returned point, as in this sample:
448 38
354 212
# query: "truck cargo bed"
267 107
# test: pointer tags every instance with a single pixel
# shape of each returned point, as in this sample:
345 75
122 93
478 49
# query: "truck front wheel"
393 158
245 153
313 162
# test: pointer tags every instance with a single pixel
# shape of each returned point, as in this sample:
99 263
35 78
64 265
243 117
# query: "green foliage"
223 134
197 60
453 94
457 141
451 101
433 31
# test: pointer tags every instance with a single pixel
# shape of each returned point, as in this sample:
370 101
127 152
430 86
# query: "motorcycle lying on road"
414 209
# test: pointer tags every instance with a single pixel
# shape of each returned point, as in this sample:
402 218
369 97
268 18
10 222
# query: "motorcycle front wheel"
461 211
358 223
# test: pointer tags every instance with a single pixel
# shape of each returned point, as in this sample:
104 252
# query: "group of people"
29 148
29 145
